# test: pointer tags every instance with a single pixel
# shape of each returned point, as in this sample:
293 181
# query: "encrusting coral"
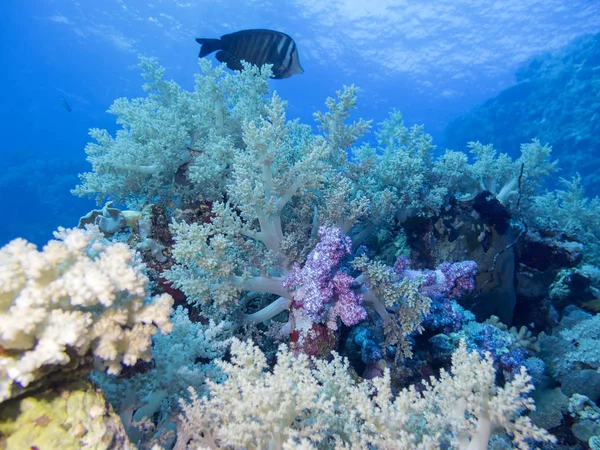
74 416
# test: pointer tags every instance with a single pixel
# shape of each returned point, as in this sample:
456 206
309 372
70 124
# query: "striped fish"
257 47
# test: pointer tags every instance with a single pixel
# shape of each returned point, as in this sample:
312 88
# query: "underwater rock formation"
555 100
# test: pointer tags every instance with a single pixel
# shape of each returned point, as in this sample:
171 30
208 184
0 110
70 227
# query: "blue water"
432 62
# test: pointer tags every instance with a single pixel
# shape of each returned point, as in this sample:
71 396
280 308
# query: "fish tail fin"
208 46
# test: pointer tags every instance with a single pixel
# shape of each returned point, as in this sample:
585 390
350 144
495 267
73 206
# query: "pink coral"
323 291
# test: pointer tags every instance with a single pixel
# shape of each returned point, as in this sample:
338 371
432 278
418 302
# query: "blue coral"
445 316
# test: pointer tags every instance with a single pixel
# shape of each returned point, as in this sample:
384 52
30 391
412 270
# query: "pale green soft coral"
174 143
182 359
80 295
407 180
501 175
340 136
569 211
283 185
266 176
490 170
243 246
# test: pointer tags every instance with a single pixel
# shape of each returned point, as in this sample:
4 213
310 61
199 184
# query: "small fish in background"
257 47
65 104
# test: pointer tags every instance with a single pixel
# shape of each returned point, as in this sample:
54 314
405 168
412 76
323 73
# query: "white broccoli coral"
78 294
467 402
254 408
319 406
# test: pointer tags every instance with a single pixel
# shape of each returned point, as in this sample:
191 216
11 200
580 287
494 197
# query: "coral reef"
329 293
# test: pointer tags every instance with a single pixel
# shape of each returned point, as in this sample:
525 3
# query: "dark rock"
546 254
492 211
571 286
533 283
585 382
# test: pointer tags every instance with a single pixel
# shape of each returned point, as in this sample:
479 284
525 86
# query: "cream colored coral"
79 293
468 402
294 404
255 409
521 338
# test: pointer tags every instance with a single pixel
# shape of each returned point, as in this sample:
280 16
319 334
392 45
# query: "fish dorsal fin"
233 62
208 46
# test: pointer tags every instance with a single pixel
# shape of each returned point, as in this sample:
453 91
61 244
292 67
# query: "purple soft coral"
320 289
451 280
459 278
348 303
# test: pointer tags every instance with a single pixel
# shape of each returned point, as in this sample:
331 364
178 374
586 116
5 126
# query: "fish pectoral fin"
232 61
